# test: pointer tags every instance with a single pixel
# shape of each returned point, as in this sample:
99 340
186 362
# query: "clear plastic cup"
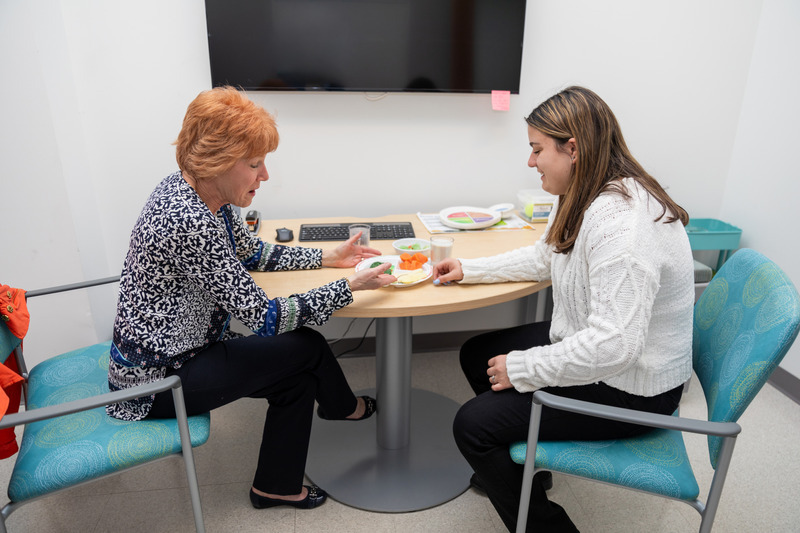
364 229
441 248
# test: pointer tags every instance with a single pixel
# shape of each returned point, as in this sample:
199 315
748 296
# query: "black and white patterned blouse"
185 275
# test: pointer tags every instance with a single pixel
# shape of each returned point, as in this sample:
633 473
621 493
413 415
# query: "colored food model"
412 262
408 270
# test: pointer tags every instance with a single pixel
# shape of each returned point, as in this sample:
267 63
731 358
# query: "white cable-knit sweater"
623 300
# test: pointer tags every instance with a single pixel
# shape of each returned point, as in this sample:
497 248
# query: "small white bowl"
402 246
505 210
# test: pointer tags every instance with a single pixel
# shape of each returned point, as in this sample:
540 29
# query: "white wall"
93 95
763 186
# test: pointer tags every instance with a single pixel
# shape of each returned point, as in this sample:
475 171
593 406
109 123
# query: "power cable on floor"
364 336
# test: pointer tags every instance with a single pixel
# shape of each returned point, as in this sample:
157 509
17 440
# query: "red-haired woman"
185 277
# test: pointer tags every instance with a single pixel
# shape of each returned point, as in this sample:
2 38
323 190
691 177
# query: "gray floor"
761 493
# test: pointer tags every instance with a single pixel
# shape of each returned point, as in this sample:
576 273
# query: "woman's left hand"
348 254
498 375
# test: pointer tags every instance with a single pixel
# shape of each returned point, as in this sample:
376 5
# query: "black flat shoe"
315 497
546 478
476 483
370 408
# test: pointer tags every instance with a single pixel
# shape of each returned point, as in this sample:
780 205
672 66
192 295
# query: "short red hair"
221 127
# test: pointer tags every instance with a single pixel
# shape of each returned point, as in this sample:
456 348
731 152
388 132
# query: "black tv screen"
459 46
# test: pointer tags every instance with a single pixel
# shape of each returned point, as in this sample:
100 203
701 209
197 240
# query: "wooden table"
404 458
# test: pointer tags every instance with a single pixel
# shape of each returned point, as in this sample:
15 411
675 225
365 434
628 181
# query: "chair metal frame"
728 431
172 383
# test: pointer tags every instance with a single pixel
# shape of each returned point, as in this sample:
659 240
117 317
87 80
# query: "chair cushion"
64 451
655 462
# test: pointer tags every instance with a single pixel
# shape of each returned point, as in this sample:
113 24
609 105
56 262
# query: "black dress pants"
290 371
486 425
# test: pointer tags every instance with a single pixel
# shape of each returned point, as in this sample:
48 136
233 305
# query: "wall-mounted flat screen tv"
456 46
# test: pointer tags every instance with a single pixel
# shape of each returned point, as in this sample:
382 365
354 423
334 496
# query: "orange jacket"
14 316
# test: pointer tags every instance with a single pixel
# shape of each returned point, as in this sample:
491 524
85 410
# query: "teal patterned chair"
68 439
744 323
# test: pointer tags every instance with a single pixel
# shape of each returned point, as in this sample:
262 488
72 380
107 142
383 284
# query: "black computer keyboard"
379 231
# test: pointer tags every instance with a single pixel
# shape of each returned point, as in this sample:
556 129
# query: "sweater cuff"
518 373
472 274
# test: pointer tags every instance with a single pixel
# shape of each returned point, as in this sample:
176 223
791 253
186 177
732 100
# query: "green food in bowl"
412 246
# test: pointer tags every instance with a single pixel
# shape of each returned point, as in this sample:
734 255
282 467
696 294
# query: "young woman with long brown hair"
621 331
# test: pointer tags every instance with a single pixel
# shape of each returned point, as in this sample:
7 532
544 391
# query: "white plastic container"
535 205
407 245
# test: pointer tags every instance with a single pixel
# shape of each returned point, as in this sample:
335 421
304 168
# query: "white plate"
395 260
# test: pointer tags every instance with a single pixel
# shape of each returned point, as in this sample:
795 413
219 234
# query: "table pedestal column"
402 459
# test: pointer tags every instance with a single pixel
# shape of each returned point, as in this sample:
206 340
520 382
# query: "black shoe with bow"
315 497
370 408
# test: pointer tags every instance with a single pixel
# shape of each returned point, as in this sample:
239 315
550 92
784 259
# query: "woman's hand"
498 375
447 270
371 278
348 254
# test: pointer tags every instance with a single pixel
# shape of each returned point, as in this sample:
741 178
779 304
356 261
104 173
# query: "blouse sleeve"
260 256
207 259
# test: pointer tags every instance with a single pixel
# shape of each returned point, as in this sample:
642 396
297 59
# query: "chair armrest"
84 404
71 287
705 427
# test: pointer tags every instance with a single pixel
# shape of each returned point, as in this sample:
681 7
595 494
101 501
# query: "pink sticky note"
501 100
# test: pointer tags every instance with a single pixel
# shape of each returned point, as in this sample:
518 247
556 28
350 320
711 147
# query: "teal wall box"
713 234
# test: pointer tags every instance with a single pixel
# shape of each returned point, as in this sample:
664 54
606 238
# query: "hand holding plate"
371 278
447 270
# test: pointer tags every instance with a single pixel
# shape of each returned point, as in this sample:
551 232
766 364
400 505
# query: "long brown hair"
602 160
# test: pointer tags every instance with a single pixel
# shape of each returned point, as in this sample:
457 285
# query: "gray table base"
402 459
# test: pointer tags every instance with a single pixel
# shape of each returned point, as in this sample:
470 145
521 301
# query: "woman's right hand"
371 278
447 270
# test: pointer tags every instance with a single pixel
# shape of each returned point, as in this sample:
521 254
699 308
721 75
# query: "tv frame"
466 19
